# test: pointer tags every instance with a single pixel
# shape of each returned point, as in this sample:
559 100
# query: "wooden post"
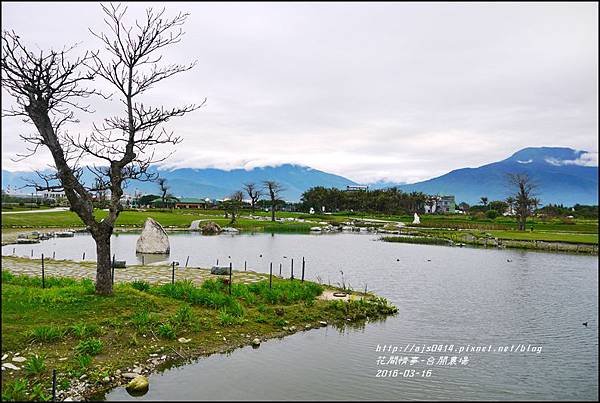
173 274
13 251
187 260
271 275
32 253
217 262
303 264
112 276
143 260
83 258
230 278
280 269
54 385
53 255
245 265
292 271
43 274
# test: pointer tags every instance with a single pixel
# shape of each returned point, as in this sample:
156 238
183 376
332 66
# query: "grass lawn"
67 327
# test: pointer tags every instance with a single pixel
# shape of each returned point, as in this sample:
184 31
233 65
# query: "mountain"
563 175
217 183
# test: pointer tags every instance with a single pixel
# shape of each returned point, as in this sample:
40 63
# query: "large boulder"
210 228
154 239
138 385
220 270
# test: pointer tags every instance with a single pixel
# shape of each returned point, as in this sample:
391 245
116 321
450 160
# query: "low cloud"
587 159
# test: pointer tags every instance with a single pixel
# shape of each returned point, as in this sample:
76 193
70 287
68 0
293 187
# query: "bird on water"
584 324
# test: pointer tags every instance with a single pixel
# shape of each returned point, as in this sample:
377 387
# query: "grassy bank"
92 340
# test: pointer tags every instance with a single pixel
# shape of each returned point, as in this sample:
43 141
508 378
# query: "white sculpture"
416 220
312 211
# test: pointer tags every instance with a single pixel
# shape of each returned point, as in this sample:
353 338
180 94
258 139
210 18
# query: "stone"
10 366
256 342
323 323
154 239
231 230
138 385
210 228
137 370
4 357
183 340
220 270
106 379
130 375
19 359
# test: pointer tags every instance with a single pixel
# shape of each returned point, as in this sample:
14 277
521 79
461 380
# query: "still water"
464 297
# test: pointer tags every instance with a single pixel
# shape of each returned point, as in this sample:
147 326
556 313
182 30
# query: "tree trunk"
103 265
273 211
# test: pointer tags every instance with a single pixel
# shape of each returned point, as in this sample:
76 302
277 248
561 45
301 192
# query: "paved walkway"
153 274
47 210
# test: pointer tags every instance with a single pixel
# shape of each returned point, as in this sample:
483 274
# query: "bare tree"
47 88
484 201
525 200
254 192
232 205
274 190
164 189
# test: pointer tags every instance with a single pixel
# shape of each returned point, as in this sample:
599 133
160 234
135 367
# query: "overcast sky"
370 91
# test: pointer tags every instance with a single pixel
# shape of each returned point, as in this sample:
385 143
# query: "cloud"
395 100
586 159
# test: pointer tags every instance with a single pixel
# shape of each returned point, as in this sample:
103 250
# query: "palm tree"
484 201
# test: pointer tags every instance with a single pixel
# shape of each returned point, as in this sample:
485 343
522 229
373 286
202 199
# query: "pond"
473 299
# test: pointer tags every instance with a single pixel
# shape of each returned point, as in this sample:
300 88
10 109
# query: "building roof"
191 200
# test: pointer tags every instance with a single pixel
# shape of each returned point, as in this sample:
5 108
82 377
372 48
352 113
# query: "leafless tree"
525 200
164 189
48 88
274 190
232 205
254 192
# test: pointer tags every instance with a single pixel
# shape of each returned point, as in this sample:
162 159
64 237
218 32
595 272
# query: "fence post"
43 275
217 262
292 271
303 264
83 258
271 275
187 260
112 271
173 274
280 269
53 255
230 278
54 385
245 265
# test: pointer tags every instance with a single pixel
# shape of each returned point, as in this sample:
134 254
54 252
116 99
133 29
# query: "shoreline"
132 350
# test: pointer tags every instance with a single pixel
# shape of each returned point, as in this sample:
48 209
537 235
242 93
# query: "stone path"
153 274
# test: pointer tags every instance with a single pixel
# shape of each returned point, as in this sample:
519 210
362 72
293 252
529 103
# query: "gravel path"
153 274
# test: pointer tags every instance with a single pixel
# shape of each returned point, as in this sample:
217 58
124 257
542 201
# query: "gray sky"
370 91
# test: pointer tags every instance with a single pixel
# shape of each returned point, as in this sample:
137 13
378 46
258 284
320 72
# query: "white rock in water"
154 239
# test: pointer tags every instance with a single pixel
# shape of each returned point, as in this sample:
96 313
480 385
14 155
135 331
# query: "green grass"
77 332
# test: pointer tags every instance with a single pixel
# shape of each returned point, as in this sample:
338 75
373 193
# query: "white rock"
154 239
19 359
4 357
183 340
10 366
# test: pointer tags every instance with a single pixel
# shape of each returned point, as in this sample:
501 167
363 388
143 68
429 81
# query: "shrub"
81 330
166 331
15 391
89 346
35 364
141 285
491 214
84 360
45 334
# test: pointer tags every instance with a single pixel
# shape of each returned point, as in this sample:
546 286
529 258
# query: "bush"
89 346
491 214
81 330
166 331
141 285
35 364
46 334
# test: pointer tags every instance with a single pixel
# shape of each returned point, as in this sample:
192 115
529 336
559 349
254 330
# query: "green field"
76 332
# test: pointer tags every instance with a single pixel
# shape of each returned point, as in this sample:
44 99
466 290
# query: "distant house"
440 204
190 202
158 202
